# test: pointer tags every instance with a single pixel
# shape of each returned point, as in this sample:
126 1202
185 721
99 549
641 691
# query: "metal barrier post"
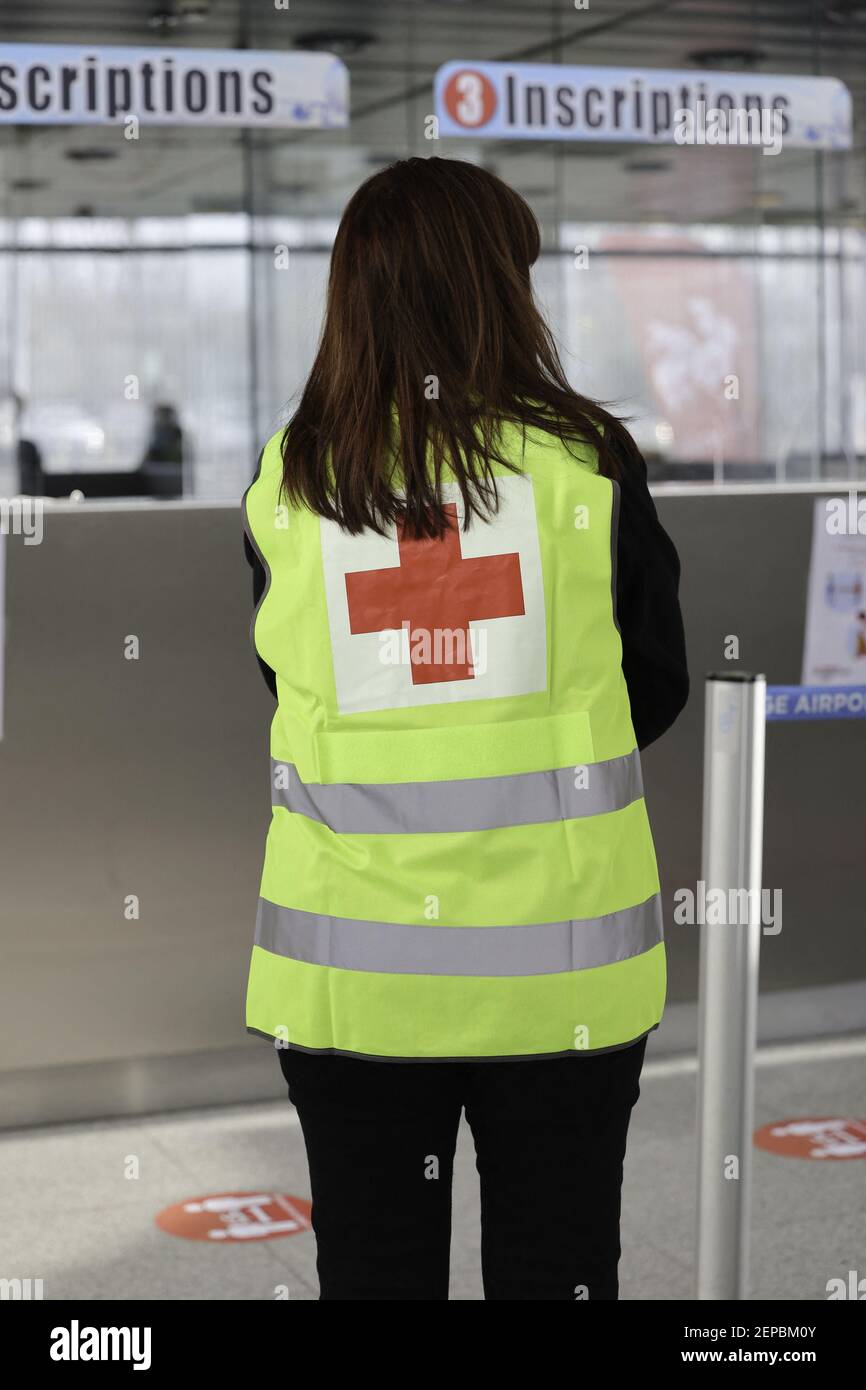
727 1013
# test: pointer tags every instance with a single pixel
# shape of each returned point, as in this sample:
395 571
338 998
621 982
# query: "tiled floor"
71 1217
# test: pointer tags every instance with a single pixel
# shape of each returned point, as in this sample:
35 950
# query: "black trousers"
550 1138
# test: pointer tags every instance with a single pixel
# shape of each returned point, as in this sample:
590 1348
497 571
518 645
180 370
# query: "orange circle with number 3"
470 98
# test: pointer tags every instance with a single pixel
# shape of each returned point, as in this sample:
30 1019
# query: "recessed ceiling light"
845 11
193 11
181 12
726 58
163 19
343 42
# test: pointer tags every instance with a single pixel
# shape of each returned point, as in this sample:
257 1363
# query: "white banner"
546 101
71 84
834 650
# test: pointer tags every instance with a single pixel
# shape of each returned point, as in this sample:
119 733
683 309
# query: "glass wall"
715 296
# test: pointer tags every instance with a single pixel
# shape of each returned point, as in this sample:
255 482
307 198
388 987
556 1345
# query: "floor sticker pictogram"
822 1137
236 1217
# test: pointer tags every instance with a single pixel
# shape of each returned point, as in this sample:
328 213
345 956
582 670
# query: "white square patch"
429 622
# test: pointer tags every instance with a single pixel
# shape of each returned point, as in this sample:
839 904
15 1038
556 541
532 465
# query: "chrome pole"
733 823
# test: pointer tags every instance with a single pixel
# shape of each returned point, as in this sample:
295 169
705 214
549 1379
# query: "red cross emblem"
435 591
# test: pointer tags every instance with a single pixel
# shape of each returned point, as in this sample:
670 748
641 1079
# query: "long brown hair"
431 341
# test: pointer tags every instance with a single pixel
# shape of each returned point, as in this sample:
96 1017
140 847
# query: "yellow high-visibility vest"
459 863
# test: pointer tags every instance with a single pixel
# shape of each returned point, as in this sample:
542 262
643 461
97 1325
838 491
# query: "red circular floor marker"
236 1218
823 1136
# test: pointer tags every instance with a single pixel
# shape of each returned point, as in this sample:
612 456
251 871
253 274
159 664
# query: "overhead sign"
70 84
546 101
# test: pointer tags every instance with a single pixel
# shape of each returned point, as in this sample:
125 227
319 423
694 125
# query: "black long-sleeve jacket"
647 610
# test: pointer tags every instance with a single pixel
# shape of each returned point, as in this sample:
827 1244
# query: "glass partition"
162 298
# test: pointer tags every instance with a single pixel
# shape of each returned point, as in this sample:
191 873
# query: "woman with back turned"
467 610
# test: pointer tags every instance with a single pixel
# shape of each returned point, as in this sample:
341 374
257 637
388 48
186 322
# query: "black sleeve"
259 582
648 609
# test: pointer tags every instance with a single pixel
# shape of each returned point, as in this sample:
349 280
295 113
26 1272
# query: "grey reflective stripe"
395 948
476 803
